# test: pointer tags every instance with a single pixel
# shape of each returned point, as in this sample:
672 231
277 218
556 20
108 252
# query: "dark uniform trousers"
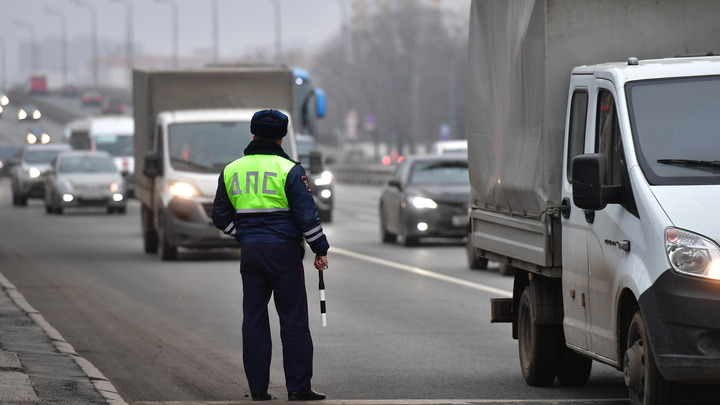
275 269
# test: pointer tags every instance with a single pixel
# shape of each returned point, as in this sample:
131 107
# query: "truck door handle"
565 208
589 216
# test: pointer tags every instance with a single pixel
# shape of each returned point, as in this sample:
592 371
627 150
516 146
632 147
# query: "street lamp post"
173 6
4 65
344 26
93 15
33 44
130 57
63 20
278 37
215 31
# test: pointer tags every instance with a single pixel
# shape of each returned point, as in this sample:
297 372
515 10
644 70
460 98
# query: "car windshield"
206 147
86 164
41 156
440 172
116 145
674 124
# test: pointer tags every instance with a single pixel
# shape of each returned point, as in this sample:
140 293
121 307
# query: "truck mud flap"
501 310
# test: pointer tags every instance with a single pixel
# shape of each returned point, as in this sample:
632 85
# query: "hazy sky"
244 25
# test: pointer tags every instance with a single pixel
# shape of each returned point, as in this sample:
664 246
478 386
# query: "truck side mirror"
316 163
153 165
587 190
320 103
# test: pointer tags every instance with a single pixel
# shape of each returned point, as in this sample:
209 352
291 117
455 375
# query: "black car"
427 196
321 179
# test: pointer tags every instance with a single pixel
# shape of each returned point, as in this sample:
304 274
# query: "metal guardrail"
370 174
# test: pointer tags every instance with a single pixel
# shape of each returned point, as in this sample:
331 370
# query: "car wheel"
408 240
506 269
538 345
22 200
385 236
48 209
645 383
325 216
59 210
121 210
166 251
110 210
474 261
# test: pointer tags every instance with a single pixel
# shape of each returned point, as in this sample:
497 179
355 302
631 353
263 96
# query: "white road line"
407 401
422 272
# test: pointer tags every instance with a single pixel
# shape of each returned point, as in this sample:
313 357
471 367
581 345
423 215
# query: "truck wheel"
574 369
645 383
538 345
506 269
150 237
166 251
387 237
474 262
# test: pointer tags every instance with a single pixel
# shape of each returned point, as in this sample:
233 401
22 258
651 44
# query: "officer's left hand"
321 262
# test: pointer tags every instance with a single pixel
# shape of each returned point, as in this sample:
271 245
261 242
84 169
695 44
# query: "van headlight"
692 254
34 172
182 189
423 202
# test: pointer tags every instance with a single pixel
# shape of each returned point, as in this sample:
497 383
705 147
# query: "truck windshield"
206 147
675 126
116 145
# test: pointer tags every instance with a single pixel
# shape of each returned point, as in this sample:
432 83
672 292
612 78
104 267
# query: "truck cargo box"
521 56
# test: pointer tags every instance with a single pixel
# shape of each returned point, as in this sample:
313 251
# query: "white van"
115 136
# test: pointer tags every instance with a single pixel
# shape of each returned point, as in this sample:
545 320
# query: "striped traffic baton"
323 315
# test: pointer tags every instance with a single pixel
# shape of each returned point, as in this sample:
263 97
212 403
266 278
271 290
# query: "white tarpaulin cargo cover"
521 56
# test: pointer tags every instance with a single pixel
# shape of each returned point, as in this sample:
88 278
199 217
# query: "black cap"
269 124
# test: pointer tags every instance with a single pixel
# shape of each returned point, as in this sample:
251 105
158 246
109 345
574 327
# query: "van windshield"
675 126
206 147
116 145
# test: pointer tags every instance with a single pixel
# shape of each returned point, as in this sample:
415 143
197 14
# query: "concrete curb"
101 384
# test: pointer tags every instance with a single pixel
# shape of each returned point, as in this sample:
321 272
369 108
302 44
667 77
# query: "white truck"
594 169
188 125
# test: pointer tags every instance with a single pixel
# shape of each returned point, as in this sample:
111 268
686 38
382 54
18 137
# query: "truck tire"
538 345
574 369
645 384
166 251
150 237
474 262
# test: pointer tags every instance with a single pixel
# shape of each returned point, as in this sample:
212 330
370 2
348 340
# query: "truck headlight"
324 179
692 254
34 172
182 189
423 202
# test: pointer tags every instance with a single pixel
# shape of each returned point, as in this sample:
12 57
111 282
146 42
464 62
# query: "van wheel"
150 237
574 369
538 345
645 384
474 262
166 251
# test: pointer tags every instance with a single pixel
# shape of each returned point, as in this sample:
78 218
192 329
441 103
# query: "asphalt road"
164 331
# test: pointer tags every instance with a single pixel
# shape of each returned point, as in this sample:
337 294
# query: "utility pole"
129 33
4 65
278 38
33 43
63 20
174 8
93 20
215 32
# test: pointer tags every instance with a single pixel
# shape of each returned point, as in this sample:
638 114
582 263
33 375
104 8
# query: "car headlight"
324 179
1 164
36 115
22 115
182 189
692 254
44 138
423 202
34 172
4 100
31 138
1 109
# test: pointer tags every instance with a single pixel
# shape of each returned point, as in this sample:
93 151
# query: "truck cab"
190 150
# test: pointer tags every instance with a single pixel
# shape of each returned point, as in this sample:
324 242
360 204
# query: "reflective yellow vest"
256 183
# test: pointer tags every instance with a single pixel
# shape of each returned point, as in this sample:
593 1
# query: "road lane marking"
422 272
409 401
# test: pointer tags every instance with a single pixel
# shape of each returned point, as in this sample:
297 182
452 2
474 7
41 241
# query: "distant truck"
594 173
38 84
188 125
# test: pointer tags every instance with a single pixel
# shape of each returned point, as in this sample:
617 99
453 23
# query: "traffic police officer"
263 200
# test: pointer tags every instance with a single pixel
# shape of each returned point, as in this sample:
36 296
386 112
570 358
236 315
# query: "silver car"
27 171
84 179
